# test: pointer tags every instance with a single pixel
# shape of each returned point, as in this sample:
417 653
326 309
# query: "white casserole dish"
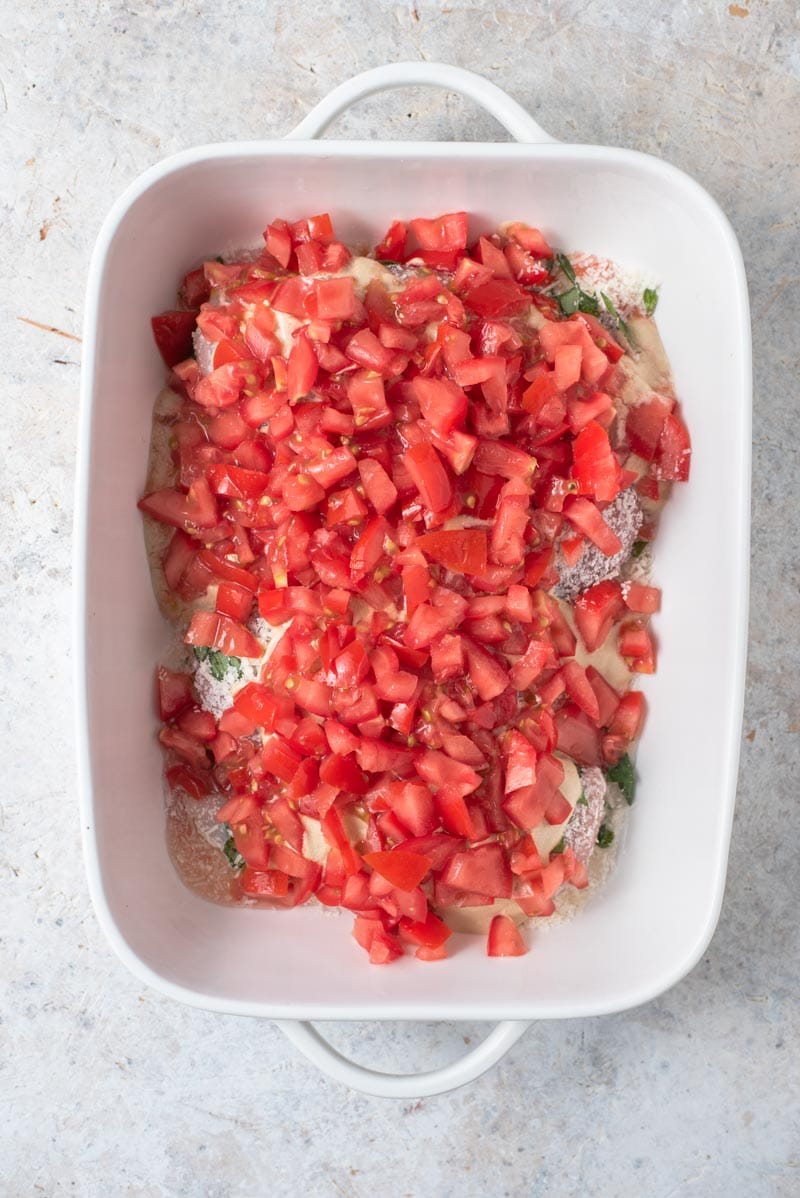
656 915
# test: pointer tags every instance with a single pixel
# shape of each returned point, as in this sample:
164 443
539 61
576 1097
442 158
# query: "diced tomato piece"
580 690
198 723
504 939
587 519
303 366
639 598
537 657
497 297
636 646
482 870
607 697
674 452
332 299
369 548
577 736
269 883
442 403
462 551
391 248
486 673
595 465
430 933
644 424
442 771
220 632
596 611
400 867
521 759
444 233
175 692
173 335
429 476
234 601
378 486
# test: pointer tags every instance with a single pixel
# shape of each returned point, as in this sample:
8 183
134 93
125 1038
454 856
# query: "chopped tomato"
504 939
216 631
462 551
399 474
173 335
401 868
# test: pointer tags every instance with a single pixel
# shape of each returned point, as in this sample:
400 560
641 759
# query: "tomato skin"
503 939
594 464
172 332
429 476
587 519
401 867
392 247
644 425
303 368
483 870
194 782
673 455
216 631
175 692
462 551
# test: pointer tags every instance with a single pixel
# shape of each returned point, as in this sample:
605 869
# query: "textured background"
108 1089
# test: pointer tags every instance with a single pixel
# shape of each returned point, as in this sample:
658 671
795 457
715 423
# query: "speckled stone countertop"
109 1089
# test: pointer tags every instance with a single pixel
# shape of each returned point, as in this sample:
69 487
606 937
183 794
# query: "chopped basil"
575 299
559 848
650 299
582 801
570 301
220 259
218 663
232 853
605 836
611 309
588 303
625 777
565 266
639 548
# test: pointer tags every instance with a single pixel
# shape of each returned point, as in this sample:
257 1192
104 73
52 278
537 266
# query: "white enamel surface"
657 913
519 123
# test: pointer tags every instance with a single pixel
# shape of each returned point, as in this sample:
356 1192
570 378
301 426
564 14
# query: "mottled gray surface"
109 1090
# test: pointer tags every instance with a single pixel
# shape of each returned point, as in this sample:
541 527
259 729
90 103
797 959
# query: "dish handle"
321 1053
511 115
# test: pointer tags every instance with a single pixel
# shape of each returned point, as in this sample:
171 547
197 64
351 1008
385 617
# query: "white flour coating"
637 569
584 823
624 517
203 352
624 288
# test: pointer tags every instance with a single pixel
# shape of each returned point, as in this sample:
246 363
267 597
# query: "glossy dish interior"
655 915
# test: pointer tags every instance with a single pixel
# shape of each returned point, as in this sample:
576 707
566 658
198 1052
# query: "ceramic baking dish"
655 917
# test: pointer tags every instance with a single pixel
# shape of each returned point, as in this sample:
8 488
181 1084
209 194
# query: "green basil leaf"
588 303
218 663
624 775
232 853
650 299
605 836
570 301
639 548
566 266
623 326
